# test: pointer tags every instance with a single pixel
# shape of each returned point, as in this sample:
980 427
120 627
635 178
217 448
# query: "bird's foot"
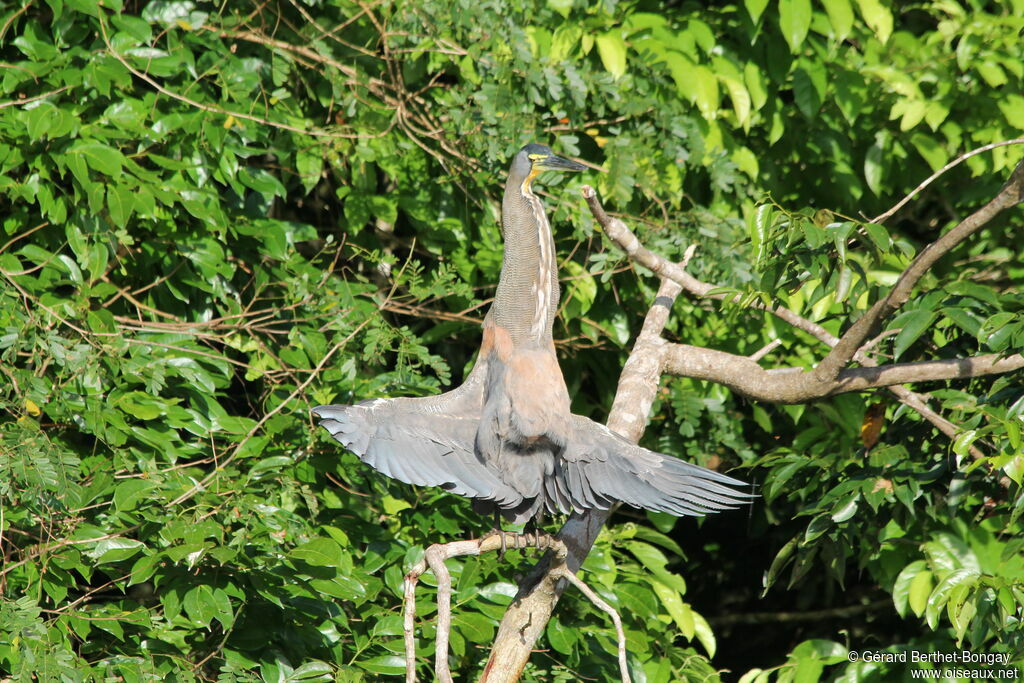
540 540
536 537
504 536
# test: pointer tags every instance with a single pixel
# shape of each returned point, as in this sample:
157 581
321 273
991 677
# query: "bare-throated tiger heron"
507 437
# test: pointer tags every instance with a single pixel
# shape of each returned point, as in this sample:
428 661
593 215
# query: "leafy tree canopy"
218 215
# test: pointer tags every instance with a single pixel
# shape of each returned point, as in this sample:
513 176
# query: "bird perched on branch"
507 437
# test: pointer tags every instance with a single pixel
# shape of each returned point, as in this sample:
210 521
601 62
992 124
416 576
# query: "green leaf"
384 664
758 226
962 442
840 16
99 157
901 587
964 578
874 166
612 50
795 20
560 637
992 73
878 17
310 670
808 92
199 605
120 204
930 150
755 8
918 591
680 612
989 332
129 492
704 634
913 326
115 550
879 236
320 552
817 527
844 511
563 7
706 92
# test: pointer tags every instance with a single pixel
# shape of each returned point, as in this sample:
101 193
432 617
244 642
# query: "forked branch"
434 558
794 385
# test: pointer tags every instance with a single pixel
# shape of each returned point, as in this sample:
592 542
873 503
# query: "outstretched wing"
422 441
599 467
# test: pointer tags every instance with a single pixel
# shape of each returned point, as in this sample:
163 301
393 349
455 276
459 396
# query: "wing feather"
409 441
602 467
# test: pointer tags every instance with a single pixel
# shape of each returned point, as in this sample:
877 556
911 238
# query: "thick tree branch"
868 324
788 385
529 613
625 239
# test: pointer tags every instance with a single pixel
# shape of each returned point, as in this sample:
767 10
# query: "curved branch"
786 385
617 231
868 324
881 218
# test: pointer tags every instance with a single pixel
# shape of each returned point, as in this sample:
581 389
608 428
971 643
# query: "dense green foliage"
217 216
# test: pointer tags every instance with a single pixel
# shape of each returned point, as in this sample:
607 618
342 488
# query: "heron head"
533 159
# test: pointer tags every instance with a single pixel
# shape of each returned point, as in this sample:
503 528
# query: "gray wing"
422 441
599 467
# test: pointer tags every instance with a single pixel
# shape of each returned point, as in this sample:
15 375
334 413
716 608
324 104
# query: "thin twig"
15 103
765 350
609 610
930 179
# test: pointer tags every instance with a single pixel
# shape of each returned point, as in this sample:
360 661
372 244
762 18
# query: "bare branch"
617 231
743 374
610 611
916 402
765 350
868 324
27 100
934 176
435 556
859 379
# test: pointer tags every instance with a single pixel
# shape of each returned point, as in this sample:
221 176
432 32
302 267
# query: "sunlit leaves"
195 268
878 17
794 22
612 49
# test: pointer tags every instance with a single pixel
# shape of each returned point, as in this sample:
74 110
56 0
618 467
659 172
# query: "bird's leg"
533 528
501 533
